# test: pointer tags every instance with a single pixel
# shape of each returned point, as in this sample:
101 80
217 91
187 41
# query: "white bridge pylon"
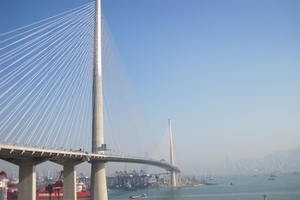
172 162
27 157
98 172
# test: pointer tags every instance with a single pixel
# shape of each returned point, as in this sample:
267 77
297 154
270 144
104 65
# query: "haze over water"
247 187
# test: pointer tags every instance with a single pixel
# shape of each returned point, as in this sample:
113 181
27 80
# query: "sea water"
246 187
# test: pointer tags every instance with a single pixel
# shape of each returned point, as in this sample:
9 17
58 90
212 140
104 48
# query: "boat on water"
211 183
197 184
272 177
51 191
143 196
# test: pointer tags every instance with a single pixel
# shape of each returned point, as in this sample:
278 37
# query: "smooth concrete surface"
69 182
173 173
98 182
97 135
27 181
98 174
173 179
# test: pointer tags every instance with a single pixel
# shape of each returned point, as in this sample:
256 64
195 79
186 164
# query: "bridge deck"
15 154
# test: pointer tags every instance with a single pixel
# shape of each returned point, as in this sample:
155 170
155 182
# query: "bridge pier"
98 181
69 182
173 178
27 177
27 181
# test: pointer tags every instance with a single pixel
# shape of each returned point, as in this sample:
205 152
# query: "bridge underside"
27 159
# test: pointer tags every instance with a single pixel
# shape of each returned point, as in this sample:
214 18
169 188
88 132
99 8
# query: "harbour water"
246 187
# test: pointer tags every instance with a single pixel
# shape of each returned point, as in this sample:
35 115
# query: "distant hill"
277 161
296 153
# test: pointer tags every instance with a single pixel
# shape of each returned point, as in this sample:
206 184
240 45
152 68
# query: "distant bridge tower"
173 173
98 173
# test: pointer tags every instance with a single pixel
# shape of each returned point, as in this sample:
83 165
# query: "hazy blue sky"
226 72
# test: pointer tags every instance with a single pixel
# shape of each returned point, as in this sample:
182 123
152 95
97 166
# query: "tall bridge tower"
173 173
98 172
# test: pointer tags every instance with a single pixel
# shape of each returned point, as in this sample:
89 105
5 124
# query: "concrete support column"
70 182
98 182
173 179
27 181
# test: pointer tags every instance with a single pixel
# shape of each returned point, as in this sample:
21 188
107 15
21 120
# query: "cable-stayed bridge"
61 96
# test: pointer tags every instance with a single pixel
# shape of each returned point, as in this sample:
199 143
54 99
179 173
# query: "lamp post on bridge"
98 172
